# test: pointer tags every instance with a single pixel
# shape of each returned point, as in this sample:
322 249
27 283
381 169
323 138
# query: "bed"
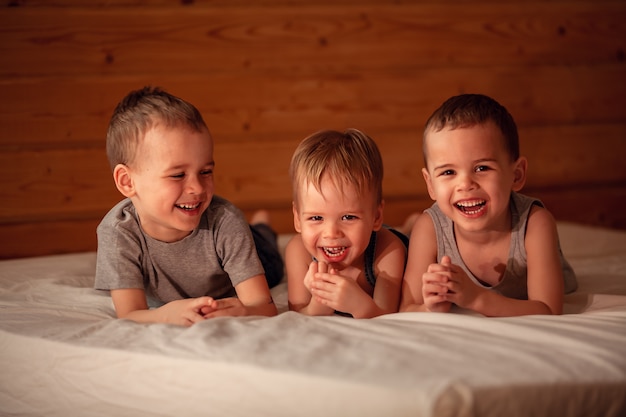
62 352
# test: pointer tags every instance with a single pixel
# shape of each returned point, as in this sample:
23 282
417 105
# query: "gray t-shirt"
514 280
219 254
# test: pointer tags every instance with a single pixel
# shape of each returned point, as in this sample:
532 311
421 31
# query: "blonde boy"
342 260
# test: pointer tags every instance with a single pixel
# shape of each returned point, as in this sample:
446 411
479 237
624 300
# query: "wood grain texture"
75 112
73 182
313 40
267 73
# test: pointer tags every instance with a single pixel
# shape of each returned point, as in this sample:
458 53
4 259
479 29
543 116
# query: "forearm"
145 316
492 304
314 308
370 310
267 310
413 307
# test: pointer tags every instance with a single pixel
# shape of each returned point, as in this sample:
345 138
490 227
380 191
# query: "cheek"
436 189
209 185
306 231
309 245
309 236
364 236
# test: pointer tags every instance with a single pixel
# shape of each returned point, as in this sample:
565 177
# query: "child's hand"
310 274
435 286
462 291
186 312
340 292
226 307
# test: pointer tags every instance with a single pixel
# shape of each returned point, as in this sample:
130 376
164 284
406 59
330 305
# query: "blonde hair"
348 158
140 111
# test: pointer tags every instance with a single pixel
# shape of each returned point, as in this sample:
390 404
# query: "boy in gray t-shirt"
171 243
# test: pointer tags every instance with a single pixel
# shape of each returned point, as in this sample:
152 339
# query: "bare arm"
390 261
545 274
422 253
341 290
253 299
298 264
130 303
544 279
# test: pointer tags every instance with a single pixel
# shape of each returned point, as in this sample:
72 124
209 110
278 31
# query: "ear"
519 173
378 216
429 184
296 217
123 180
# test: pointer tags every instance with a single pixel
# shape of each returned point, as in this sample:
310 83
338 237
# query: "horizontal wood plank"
257 3
75 183
48 238
323 39
262 107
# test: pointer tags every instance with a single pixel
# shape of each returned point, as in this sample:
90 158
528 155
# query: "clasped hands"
444 284
192 310
338 290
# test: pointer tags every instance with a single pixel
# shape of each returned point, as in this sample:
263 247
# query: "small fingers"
438 278
322 267
192 318
225 303
201 302
322 277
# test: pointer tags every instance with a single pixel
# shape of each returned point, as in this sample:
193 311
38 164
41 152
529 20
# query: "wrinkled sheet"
62 353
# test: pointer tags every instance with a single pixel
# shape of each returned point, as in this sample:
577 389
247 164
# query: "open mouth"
471 207
334 252
188 207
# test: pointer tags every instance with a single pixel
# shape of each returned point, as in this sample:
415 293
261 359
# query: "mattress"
63 352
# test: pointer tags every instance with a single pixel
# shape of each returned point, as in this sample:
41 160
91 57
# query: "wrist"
315 308
481 301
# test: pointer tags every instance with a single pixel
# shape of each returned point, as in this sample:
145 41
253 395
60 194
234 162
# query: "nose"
195 184
465 182
332 229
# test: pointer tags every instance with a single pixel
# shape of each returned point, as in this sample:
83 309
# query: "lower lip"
336 259
478 212
193 212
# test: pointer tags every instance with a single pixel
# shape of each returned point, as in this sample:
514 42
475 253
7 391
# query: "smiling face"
170 182
471 175
336 224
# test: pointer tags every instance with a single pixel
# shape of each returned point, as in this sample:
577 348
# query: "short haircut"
347 158
140 111
467 110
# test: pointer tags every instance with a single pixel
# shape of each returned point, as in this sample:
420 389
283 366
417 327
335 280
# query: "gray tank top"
513 283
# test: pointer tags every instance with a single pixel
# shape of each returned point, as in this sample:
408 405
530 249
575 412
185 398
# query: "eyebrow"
444 166
210 164
478 161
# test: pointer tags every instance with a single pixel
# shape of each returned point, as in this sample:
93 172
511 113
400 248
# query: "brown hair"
140 111
468 110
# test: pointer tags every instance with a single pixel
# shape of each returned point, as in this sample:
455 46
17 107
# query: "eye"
315 218
349 217
482 168
206 172
446 173
178 176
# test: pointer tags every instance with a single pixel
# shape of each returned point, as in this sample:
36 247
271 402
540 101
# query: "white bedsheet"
63 354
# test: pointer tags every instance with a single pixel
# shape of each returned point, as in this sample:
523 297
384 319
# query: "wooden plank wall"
266 73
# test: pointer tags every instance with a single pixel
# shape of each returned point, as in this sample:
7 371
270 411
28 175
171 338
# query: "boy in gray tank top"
482 246
172 244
